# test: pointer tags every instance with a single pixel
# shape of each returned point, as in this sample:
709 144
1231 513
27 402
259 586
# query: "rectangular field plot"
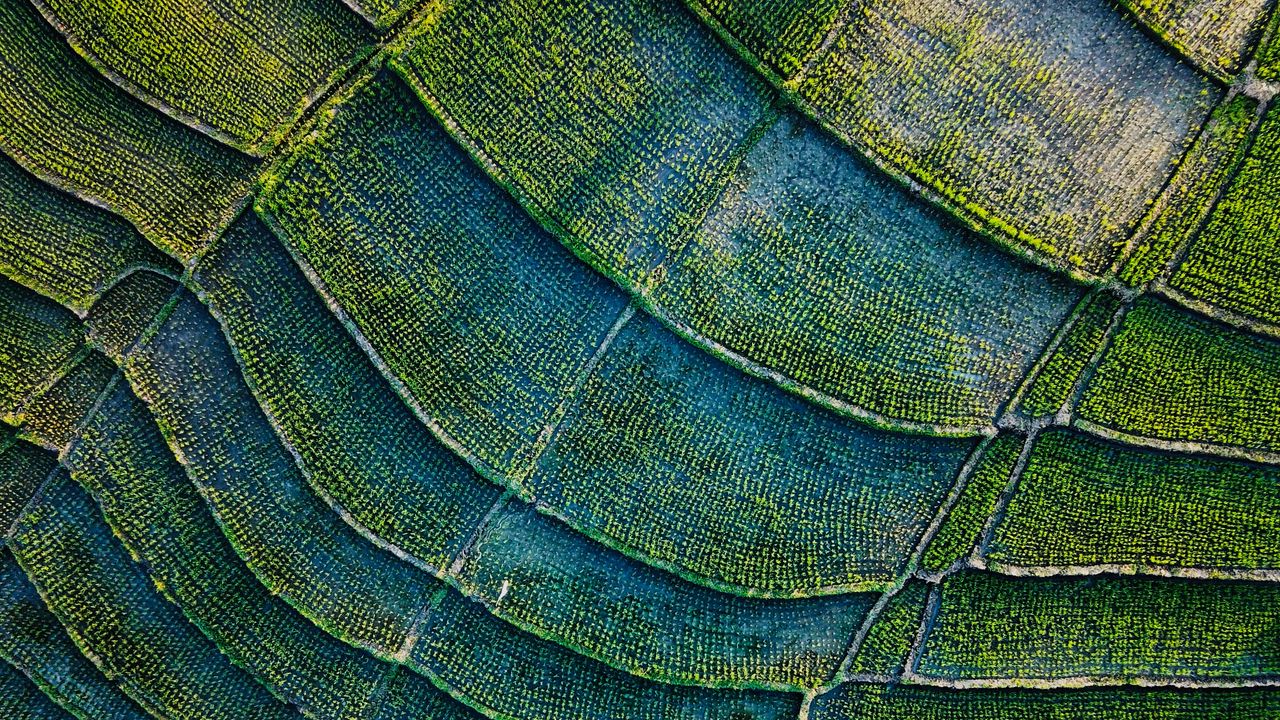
62 247
151 504
1235 261
286 534
37 339
1051 125
558 583
1216 34
66 123
114 613
1084 501
359 443
907 702
998 629
484 317
674 455
1176 376
32 641
816 265
509 673
244 69
782 34
621 141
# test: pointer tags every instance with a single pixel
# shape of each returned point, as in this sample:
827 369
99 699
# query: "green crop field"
639 360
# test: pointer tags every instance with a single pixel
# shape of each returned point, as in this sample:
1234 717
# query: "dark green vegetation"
506 673
815 265
961 530
905 702
284 533
1176 215
37 339
1172 375
798 214
1002 629
633 359
627 184
889 638
663 439
1053 384
175 51
526 568
127 311
361 447
70 126
486 320
1083 501
113 612
53 419
33 642
384 13
61 247
152 505
1232 264
20 699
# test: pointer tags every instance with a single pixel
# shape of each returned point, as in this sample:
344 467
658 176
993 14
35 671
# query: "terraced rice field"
639 360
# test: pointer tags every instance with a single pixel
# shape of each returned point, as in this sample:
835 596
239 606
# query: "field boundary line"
1233 318
1264 457
1192 572
644 300
570 400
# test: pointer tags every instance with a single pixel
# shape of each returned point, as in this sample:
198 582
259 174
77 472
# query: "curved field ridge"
33 641
239 71
886 303
1047 125
1216 35
783 264
533 572
333 575
504 332
20 699
115 614
63 248
37 340
122 458
638 360
70 126
630 182
734 478
285 534
495 320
